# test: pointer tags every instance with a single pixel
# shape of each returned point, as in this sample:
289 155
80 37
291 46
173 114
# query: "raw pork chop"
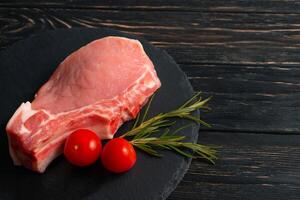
98 87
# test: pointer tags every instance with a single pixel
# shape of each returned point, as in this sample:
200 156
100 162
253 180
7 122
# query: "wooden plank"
263 6
251 166
211 191
247 97
189 37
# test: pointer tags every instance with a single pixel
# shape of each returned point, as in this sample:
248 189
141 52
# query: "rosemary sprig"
161 120
174 142
143 138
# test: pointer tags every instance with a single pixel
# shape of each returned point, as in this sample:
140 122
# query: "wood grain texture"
249 98
249 63
251 166
262 6
235 38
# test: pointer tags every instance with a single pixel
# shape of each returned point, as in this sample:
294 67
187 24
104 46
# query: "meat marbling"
98 87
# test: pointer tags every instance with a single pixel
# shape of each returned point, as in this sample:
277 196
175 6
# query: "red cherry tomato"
82 148
118 155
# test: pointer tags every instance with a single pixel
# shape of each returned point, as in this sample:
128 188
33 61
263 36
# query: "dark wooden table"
246 53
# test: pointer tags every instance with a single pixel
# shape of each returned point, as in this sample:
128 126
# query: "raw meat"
98 87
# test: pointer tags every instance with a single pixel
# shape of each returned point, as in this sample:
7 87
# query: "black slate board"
26 65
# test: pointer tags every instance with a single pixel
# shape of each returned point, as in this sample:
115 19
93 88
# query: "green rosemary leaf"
147 108
181 128
136 121
190 100
148 150
198 120
167 130
181 152
143 134
163 146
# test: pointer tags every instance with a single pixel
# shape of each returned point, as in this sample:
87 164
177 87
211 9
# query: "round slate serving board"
26 65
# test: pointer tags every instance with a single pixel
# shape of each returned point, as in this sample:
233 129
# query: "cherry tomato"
118 155
82 148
